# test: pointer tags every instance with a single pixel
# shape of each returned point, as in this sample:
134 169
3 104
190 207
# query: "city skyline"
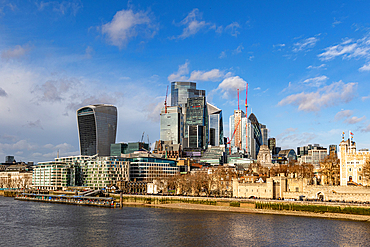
307 66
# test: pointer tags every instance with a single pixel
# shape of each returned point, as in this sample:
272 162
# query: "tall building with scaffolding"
246 133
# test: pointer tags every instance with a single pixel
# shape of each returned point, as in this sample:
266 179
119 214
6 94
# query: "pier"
68 199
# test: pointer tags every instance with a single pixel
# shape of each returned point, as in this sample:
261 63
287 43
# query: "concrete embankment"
249 206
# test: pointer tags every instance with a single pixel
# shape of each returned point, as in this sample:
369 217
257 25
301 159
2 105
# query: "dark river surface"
45 224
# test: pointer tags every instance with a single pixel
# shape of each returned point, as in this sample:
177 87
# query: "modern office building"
106 171
181 91
97 126
172 124
264 132
236 128
118 149
248 135
312 154
254 137
9 159
216 127
53 175
272 145
149 168
196 115
333 150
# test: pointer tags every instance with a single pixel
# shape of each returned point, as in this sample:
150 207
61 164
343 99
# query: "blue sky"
307 65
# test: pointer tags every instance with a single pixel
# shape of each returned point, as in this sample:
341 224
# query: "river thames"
26 223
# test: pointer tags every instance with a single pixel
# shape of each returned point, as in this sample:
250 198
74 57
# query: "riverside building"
97 126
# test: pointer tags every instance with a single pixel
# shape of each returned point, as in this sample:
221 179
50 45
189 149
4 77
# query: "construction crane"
238 100
229 140
165 101
246 114
236 127
142 137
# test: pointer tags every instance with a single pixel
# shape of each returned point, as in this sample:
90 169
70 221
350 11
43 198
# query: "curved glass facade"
97 127
256 131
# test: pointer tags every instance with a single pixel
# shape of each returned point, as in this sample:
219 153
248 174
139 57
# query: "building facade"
197 122
312 154
172 124
181 91
149 168
351 163
97 127
216 127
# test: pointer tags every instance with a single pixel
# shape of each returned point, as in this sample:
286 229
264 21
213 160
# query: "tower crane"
246 114
165 101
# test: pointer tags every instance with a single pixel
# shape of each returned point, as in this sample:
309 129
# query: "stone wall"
333 193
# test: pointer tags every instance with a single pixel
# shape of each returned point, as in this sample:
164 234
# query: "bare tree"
366 172
330 170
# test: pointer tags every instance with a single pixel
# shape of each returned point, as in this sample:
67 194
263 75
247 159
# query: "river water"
26 223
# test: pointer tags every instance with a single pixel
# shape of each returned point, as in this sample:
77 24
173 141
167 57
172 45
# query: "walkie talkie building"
97 127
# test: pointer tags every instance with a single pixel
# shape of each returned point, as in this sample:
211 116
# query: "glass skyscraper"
197 114
182 90
97 127
216 127
172 125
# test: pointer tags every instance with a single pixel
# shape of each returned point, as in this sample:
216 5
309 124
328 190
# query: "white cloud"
316 67
153 110
15 53
354 120
89 52
127 24
348 49
305 44
365 98
197 75
233 29
180 74
257 88
229 85
336 22
336 93
291 137
63 7
366 67
366 129
222 54
343 114
193 22
316 81
239 49
212 75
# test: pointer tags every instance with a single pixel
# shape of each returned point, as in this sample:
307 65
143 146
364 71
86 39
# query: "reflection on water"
43 224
